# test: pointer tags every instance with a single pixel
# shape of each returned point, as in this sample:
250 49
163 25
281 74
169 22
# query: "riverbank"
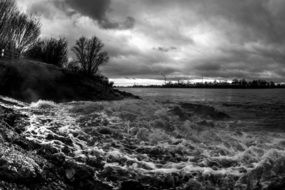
32 80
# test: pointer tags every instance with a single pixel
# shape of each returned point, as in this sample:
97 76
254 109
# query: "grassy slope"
30 81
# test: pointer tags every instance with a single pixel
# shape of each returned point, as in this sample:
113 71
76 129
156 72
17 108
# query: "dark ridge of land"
29 81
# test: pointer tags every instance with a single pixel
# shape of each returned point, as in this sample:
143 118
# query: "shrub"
52 51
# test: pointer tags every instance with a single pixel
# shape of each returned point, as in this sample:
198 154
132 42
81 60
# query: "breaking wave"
158 145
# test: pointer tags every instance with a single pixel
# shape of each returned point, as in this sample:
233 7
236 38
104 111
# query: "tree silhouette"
52 51
18 32
23 32
89 53
7 11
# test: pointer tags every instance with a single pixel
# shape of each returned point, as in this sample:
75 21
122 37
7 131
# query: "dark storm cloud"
97 10
94 9
129 69
208 67
257 18
213 38
240 64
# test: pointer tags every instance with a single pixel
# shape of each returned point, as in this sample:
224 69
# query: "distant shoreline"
235 84
282 87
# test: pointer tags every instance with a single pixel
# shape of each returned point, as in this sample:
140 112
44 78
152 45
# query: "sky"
179 39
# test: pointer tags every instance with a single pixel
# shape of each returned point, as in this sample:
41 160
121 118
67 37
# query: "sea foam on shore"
156 145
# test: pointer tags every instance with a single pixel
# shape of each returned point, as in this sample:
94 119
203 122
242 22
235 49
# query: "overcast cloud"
220 39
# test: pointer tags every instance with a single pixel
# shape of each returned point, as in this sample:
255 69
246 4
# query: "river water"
263 108
170 139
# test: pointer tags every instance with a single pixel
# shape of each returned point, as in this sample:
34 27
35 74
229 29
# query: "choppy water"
260 108
165 141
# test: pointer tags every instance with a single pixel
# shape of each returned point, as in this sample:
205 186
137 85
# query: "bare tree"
24 32
89 53
18 32
80 52
7 10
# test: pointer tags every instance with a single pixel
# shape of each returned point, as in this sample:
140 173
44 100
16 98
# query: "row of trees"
52 51
236 83
19 35
88 52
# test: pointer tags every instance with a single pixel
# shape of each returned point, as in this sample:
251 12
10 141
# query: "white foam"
43 103
201 145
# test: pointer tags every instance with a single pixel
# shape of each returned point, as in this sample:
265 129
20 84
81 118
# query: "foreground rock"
30 81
